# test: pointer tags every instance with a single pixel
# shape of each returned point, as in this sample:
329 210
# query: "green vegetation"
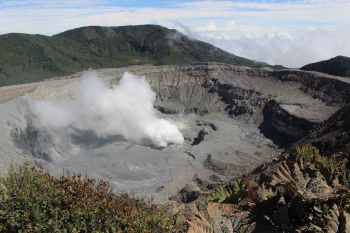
232 193
334 168
33 201
339 66
28 58
307 152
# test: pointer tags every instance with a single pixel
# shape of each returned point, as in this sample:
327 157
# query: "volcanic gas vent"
126 109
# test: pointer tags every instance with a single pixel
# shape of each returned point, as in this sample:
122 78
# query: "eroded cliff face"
286 105
332 137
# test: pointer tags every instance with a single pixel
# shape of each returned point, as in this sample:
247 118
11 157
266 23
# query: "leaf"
201 225
304 180
213 220
264 193
338 220
232 193
317 228
332 219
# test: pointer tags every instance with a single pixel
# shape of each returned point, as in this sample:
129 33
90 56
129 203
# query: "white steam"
126 109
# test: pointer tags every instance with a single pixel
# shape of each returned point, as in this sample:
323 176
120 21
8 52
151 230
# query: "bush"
33 201
308 152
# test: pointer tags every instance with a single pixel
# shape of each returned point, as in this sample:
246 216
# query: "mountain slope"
339 66
27 58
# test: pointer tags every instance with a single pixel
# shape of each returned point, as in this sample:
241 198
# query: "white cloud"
288 48
230 25
212 27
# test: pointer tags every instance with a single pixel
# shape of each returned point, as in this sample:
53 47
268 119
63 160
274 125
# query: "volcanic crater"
233 119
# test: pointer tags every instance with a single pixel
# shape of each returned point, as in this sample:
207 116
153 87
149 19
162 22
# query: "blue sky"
292 33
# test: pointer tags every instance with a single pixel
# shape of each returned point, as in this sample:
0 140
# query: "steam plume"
126 109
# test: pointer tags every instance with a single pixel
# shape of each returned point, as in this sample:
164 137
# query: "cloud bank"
277 46
126 109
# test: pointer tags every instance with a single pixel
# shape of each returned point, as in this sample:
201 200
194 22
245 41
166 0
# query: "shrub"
308 152
33 201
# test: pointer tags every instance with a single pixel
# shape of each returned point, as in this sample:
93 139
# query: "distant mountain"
27 58
339 66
